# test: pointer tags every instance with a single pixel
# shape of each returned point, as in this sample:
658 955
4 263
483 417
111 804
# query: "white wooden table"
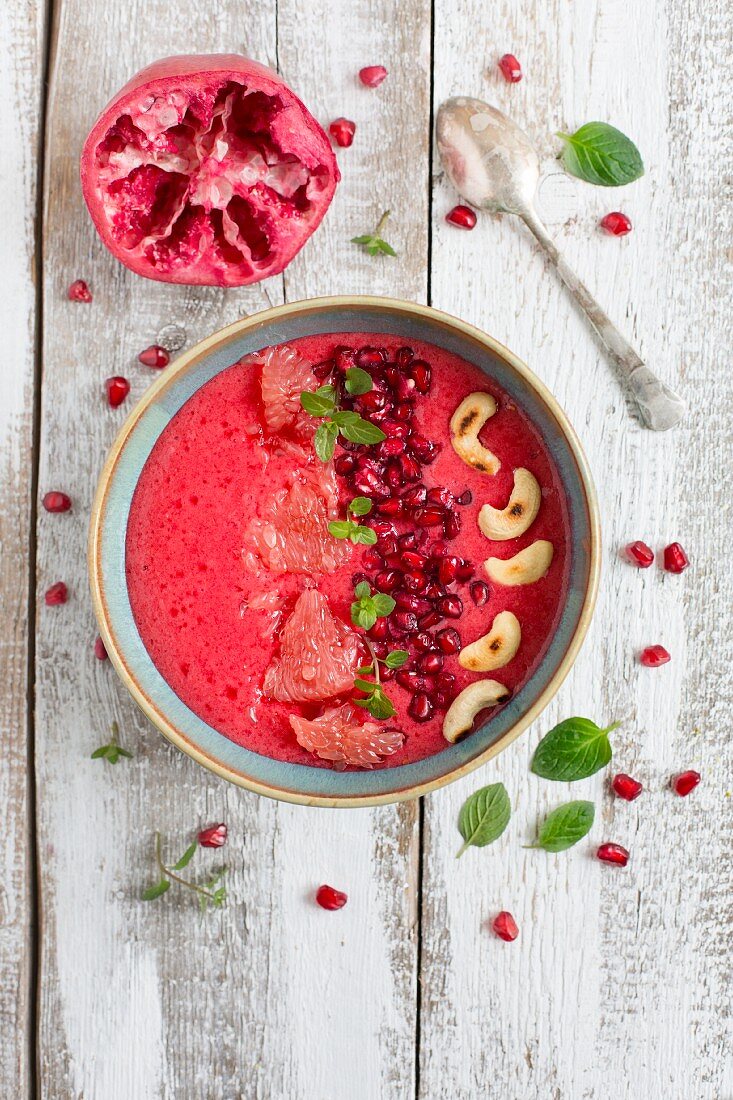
620 983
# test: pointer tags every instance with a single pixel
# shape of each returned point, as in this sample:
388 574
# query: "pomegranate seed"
616 223
413 682
322 370
381 650
412 559
393 475
344 357
391 448
369 484
79 292
420 708
438 550
464 572
428 517
403 356
675 558
394 430
392 507
452 525
626 787
370 357
345 464
447 569
415 580
451 607
328 898
373 75
388 546
379 631
58 593
371 559
685 782
342 131
155 356
505 926
445 681
387 580
439 495
402 412
415 496
640 554
613 853
423 642
359 578
56 502
421 374
383 528
430 663
510 68
404 622
408 541
449 640
429 620
117 390
461 216
408 601
423 449
465 498
654 656
479 593
372 401
213 837
99 649
410 467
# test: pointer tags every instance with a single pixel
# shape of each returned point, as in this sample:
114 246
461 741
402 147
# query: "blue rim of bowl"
296 782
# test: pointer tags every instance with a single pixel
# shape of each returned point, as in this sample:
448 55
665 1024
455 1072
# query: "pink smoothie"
211 620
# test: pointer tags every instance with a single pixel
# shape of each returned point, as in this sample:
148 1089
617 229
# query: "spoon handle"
660 407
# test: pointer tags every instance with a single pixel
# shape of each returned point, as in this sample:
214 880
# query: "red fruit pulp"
511 70
155 356
56 594
616 224
208 170
342 131
199 607
613 853
626 787
461 216
79 292
213 837
640 554
117 390
372 75
329 898
654 656
675 558
505 926
685 782
57 502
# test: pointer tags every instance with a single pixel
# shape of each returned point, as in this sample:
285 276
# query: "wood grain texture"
619 983
269 997
21 77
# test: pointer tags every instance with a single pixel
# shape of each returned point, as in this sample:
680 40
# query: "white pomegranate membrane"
220 551
207 175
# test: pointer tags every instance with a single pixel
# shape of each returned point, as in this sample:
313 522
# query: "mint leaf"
601 154
366 238
345 417
363 615
320 403
382 246
484 816
565 826
358 381
100 753
360 506
383 604
364 535
572 750
364 685
362 589
186 857
324 440
365 670
396 658
340 528
154 892
362 431
376 702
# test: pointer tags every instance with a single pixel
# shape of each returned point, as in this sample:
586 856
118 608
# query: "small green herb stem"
172 875
115 734
381 223
375 659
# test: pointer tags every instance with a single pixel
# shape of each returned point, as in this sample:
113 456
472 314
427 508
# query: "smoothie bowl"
344 551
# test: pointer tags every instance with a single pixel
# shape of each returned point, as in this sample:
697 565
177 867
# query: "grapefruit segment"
318 657
285 374
339 736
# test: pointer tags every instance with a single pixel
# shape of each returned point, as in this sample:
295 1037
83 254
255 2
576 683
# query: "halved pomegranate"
207 169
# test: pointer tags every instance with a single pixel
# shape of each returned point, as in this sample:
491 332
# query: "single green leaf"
565 826
154 892
378 704
574 749
382 246
219 896
187 856
364 535
324 441
383 604
362 616
362 589
364 685
601 154
365 238
396 658
358 381
124 752
362 431
365 670
100 753
484 816
360 506
318 403
344 417
340 528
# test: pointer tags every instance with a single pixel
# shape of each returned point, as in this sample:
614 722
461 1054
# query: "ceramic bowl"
296 782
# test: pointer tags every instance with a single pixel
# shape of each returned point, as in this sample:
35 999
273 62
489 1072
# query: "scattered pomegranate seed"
465 498
155 356
510 68
372 75
58 593
342 131
449 640
654 656
79 292
613 853
451 607
430 663
420 708
404 622
213 837
461 216
117 390
57 502
675 558
479 593
685 782
99 649
452 526
505 926
464 572
626 787
616 223
640 554
328 898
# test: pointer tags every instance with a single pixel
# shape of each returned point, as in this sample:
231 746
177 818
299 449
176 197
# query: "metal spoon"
493 165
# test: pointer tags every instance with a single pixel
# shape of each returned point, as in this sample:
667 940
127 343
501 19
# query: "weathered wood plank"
21 81
266 998
618 975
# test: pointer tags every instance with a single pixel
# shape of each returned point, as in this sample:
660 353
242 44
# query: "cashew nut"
496 648
461 714
521 511
465 425
526 567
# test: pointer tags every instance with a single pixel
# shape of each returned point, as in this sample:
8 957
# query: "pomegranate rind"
338 735
319 654
202 240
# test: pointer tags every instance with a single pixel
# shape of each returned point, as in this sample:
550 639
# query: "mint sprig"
355 532
367 608
323 403
373 243
376 700
113 751
208 893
